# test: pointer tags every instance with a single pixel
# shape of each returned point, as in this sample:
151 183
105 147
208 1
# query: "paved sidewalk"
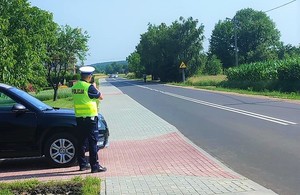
147 155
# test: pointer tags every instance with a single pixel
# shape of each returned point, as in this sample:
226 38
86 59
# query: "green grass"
91 185
274 94
77 185
213 83
48 94
61 103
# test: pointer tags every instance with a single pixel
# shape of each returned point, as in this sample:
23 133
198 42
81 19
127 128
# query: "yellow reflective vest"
83 104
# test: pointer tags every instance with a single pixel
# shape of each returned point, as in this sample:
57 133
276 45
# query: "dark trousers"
88 133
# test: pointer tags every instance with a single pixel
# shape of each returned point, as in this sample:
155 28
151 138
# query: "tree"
134 64
125 68
109 69
222 43
257 38
287 51
25 32
115 68
213 66
149 49
162 48
70 45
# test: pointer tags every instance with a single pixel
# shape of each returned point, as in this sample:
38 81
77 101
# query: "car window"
6 102
32 100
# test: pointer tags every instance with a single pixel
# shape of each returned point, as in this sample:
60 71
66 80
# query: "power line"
280 6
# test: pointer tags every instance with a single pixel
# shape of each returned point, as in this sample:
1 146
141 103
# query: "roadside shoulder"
239 94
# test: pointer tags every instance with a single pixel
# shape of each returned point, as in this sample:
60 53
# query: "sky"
115 26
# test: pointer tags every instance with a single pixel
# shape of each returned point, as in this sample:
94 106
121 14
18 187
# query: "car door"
17 128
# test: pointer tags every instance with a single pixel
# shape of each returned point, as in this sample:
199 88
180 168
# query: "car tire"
60 150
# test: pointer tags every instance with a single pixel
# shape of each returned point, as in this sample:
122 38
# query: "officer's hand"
101 97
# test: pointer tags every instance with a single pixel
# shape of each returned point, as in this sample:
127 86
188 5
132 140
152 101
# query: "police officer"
85 95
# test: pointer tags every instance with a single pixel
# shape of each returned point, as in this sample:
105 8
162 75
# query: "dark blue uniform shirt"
93 92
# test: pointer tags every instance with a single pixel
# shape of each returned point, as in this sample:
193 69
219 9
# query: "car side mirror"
19 108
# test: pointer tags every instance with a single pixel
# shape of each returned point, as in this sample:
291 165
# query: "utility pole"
235 43
235 39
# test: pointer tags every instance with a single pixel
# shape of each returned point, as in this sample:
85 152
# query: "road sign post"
183 67
183 75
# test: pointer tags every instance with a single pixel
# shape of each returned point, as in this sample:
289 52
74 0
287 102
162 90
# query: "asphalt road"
256 137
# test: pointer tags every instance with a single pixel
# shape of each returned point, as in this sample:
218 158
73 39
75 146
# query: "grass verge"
214 82
77 186
61 103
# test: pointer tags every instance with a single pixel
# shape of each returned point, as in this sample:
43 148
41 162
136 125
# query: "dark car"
30 128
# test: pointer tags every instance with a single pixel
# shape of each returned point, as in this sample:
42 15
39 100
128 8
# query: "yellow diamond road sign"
182 65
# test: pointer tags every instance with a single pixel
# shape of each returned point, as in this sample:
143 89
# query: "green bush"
76 77
250 85
281 75
130 75
205 80
213 66
77 185
259 71
290 70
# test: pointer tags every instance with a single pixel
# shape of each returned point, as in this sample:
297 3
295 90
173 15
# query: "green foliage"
25 33
61 103
36 187
162 49
256 34
134 64
205 80
220 83
100 67
257 71
30 41
71 76
77 185
289 70
115 67
283 75
76 77
213 66
222 43
288 51
70 45
131 75
48 94
91 185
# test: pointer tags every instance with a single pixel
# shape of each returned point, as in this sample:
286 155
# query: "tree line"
250 36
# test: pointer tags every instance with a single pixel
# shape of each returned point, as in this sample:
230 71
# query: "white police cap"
87 69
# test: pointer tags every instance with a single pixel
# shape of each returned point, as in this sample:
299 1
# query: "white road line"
239 111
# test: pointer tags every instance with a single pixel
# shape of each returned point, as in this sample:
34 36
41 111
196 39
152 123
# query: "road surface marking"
230 109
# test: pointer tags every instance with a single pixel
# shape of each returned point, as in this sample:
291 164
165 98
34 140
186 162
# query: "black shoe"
100 169
86 167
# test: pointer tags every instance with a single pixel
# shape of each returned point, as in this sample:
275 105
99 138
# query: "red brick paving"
166 154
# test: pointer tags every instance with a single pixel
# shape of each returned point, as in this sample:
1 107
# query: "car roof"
2 85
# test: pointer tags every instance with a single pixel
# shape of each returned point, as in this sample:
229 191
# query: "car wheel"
60 150
103 139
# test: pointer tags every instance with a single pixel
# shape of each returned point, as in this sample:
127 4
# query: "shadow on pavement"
34 168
